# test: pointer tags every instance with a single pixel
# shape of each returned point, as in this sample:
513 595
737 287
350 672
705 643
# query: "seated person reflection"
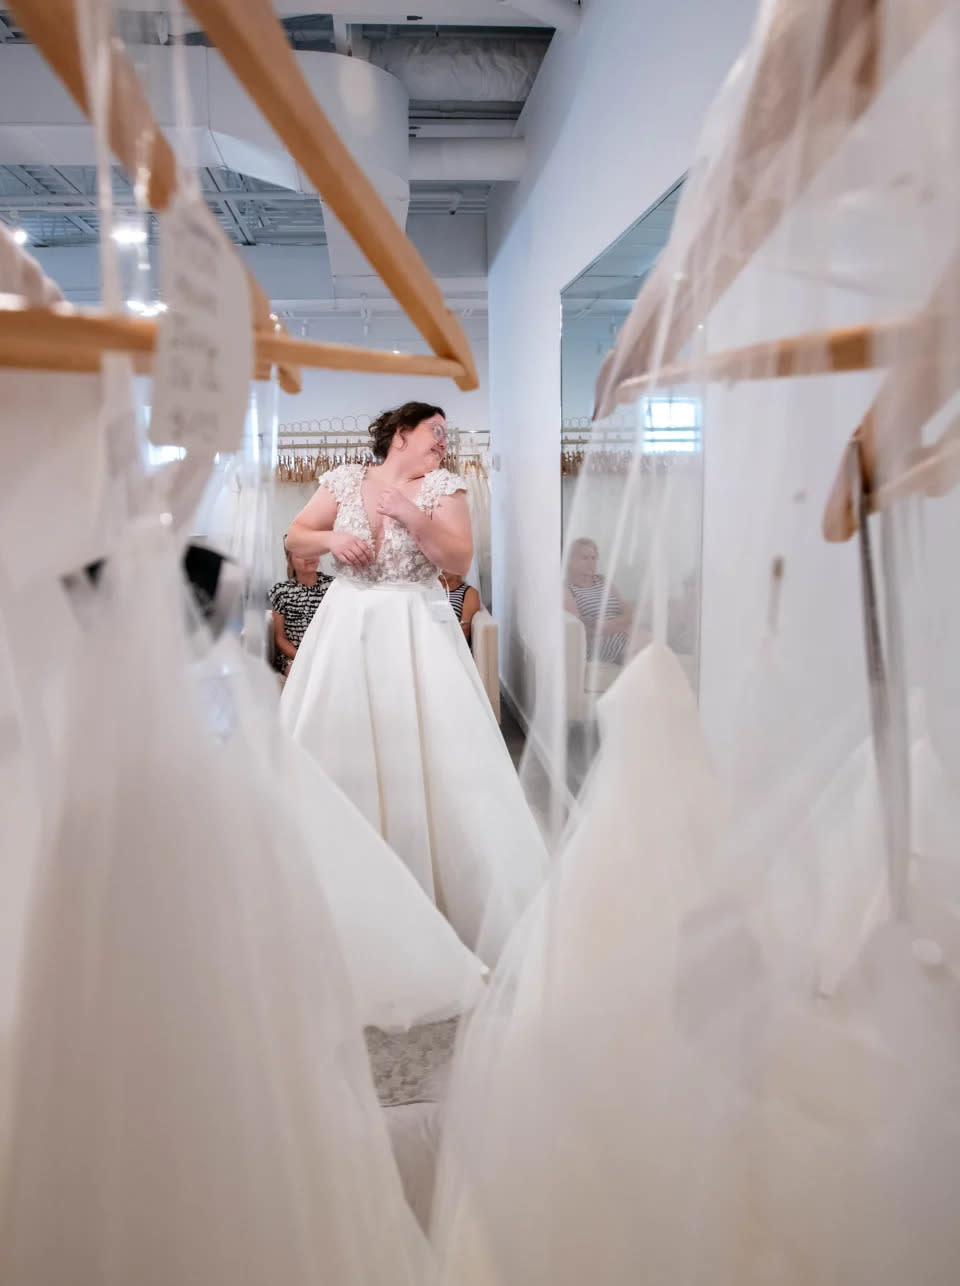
685 617
607 619
294 602
463 598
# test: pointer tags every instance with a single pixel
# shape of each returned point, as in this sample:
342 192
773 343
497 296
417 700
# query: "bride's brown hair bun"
401 420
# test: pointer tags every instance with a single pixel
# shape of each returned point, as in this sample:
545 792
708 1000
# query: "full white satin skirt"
406 964
385 694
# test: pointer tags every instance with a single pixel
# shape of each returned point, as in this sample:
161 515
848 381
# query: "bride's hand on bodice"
392 503
395 539
349 549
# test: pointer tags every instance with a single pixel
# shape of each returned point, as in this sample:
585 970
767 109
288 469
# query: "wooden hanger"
140 145
743 203
65 338
848 348
909 398
255 46
134 135
926 375
778 150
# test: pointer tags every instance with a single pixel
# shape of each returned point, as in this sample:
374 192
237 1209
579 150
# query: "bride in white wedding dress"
384 691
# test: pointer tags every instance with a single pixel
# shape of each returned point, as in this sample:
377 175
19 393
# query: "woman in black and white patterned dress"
295 602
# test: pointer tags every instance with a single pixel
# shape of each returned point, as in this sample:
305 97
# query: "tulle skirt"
385 694
192 1099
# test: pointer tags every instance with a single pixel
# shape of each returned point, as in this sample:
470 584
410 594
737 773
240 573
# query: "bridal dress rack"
195 926
723 1048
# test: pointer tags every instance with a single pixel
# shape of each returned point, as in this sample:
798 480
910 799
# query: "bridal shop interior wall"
612 121
581 361
329 394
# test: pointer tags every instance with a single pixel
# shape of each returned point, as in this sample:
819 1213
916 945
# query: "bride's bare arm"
311 533
444 536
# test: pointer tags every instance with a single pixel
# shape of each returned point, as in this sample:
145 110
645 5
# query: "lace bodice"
399 558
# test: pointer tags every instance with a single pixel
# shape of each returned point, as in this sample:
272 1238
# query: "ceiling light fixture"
20 236
129 235
142 308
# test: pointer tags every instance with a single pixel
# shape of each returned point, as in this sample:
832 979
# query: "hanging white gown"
192 1096
653 1089
686 1105
385 694
478 498
53 443
545 1126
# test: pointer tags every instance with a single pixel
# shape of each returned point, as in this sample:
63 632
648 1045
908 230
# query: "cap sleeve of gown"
438 484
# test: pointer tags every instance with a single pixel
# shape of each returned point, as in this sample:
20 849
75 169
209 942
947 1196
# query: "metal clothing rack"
351 430
616 450
346 424
308 448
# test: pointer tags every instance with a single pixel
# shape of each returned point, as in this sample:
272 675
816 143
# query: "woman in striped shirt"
463 598
607 619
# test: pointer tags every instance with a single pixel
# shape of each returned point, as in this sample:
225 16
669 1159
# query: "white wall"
582 359
611 125
297 278
329 394
454 250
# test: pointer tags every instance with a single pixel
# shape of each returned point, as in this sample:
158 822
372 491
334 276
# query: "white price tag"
204 359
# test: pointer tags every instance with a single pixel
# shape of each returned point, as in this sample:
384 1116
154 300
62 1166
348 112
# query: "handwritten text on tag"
204 357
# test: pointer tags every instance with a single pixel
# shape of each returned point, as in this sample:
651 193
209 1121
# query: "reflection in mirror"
624 583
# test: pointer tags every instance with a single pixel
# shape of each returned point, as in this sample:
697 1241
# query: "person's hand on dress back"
349 549
471 605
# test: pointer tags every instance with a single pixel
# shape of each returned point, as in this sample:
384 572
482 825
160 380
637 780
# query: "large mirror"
624 480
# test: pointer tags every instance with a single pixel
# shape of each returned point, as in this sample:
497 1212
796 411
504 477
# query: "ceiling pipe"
39 125
562 14
466 160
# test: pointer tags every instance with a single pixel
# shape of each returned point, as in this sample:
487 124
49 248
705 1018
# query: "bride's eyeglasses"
440 432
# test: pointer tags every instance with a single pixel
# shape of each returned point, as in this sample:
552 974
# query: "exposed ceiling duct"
460 70
42 125
468 90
